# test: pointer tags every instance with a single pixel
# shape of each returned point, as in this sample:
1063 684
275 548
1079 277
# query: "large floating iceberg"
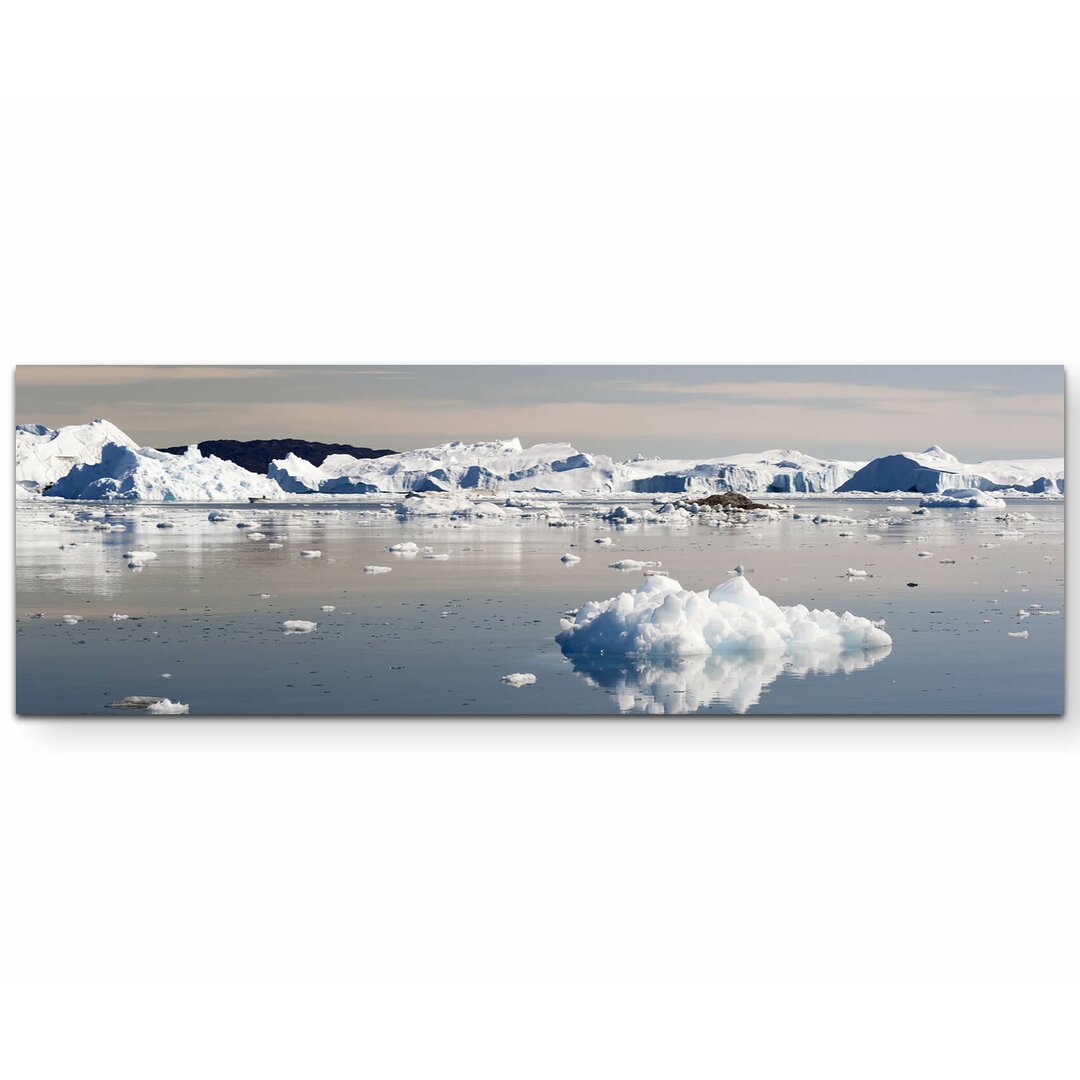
126 473
935 470
662 619
43 455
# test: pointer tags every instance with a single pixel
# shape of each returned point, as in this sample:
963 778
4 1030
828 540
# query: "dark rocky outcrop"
731 500
255 455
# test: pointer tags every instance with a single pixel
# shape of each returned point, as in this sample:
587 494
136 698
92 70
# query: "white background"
235 182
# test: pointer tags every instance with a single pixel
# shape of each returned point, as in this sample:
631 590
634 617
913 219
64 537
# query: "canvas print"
576 541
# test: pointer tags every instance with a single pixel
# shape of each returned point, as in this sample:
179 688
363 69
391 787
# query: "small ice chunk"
632 564
602 540
217 515
405 548
117 618
310 553
851 572
569 558
165 707
71 620
328 607
377 569
519 679
1018 633
140 556
925 554
166 675
298 626
256 536
275 545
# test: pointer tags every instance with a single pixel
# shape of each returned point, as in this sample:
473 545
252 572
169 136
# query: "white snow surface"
662 619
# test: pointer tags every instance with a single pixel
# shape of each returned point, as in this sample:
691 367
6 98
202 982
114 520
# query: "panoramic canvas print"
500 540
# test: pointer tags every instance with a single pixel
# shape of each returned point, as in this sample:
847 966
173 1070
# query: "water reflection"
670 687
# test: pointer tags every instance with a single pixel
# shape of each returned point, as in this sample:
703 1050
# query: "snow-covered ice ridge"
99 461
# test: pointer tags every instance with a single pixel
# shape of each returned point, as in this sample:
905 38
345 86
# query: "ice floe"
165 707
519 679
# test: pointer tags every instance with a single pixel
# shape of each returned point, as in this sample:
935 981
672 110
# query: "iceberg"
124 472
662 619
970 498
44 455
934 470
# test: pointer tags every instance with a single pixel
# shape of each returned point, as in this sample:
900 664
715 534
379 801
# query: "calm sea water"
435 637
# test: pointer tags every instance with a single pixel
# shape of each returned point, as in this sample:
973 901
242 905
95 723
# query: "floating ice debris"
872 536
856 573
298 626
661 618
406 548
946 562
256 536
165 707
1018 633
71 620
117 618
134 701
140 556
602 540
845 533
569 558
217 515
632 564
441 557
1046 612
968 498
160 525
275 545
519 679
925 554
166 675
377 569
244 525
310 554
328 607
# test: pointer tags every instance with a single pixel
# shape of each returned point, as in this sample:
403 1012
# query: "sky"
855 412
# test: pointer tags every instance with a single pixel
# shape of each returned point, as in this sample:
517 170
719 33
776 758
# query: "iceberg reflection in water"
670 687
